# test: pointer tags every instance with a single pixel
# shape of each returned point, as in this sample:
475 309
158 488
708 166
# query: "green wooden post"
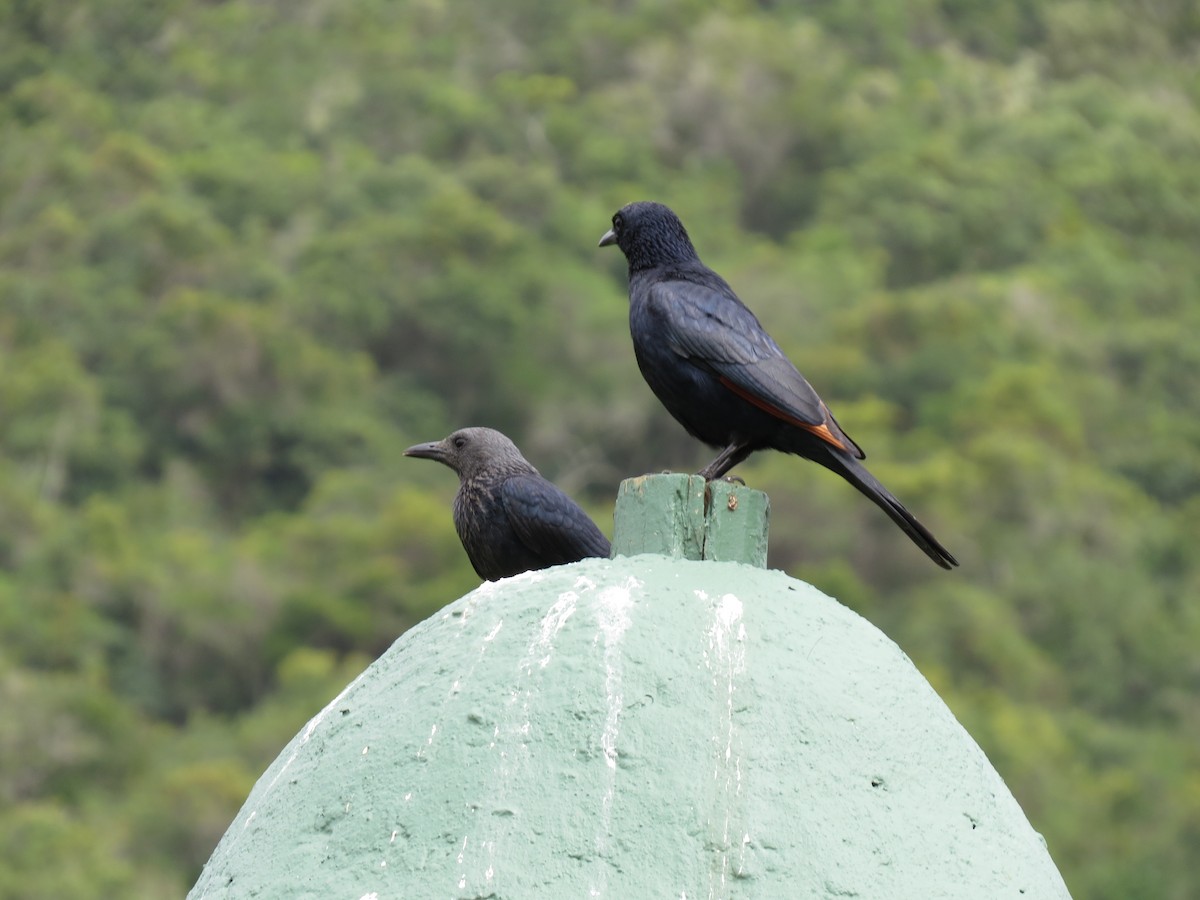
683 517
661 724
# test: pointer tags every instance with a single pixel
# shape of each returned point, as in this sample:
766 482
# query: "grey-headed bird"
510 519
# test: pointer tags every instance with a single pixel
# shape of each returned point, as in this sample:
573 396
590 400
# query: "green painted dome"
643 727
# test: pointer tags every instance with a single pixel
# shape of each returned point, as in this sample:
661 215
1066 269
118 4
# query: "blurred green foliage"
250 250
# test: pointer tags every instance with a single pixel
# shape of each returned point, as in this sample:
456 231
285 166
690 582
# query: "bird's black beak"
610 237
432 450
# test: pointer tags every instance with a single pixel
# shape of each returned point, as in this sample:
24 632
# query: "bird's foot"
726 460
731 479
709 475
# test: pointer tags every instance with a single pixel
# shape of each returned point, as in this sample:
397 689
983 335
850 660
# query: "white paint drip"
613 616
517 719
542 647
511 734
433 730
726 660
470 605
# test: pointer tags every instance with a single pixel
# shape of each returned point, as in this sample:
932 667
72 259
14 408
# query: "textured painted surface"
673 515
635 728
735 524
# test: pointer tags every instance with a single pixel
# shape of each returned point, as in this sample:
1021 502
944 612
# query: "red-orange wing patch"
822 431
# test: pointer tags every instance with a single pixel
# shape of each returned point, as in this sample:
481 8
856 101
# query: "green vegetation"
250 251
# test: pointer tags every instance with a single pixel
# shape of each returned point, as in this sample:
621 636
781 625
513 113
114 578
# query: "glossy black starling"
715 369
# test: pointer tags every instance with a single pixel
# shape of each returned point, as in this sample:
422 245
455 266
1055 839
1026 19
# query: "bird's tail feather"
856 473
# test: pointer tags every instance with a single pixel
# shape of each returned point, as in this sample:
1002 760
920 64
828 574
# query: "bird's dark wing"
710 327
549 523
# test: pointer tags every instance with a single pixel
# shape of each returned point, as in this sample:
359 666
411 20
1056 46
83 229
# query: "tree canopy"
249 251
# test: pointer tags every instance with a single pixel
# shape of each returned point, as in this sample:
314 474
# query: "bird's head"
473 451
650 235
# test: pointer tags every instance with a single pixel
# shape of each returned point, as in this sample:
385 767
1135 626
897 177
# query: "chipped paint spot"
741 869
428 741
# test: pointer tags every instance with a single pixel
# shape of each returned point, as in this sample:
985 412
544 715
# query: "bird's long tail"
856 473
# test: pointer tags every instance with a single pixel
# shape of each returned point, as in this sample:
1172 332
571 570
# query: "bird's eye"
617 222
460 442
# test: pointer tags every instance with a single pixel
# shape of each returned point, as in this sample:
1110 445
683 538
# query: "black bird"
510 519
715 369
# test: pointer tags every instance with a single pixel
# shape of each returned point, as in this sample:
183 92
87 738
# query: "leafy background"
250 250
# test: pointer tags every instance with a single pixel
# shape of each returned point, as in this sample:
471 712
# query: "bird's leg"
726 460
